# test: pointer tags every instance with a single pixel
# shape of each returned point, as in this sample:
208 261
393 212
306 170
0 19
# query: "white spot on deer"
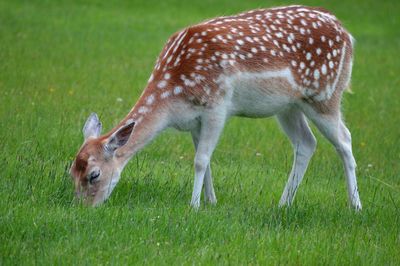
169 59
318 51
287 49
249 39
150 99
167 76
189 83
165 94
143 110
316 74
323 69
331 65
162 84
314 25
177 90
308 56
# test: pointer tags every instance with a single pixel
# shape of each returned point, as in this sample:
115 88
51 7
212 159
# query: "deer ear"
92 127
120 137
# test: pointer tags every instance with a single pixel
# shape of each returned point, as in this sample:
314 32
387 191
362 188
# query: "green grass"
59 61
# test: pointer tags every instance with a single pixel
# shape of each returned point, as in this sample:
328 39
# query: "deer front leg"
211 128
209 193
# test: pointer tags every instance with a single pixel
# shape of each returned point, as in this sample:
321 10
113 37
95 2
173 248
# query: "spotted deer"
293 62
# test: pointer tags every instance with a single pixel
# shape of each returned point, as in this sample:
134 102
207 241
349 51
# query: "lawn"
61 60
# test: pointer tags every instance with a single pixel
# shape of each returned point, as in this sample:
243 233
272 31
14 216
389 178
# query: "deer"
291 62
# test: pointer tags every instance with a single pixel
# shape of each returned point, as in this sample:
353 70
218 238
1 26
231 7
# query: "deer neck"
151 118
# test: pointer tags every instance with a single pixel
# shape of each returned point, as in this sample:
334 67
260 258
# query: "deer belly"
261 97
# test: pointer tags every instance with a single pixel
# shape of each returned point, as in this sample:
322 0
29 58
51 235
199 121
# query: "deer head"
96 170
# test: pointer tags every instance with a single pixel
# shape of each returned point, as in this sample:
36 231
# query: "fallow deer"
292 62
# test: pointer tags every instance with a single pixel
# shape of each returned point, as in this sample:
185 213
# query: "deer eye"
93 176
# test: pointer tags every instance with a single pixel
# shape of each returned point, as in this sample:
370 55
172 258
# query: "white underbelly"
258 96
255 105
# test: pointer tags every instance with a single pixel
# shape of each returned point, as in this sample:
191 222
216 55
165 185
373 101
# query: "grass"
61 60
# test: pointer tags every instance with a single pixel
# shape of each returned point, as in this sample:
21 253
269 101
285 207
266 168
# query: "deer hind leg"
211 128
333 128
209 193
295 125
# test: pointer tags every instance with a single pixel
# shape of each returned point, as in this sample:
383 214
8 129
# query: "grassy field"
61 60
